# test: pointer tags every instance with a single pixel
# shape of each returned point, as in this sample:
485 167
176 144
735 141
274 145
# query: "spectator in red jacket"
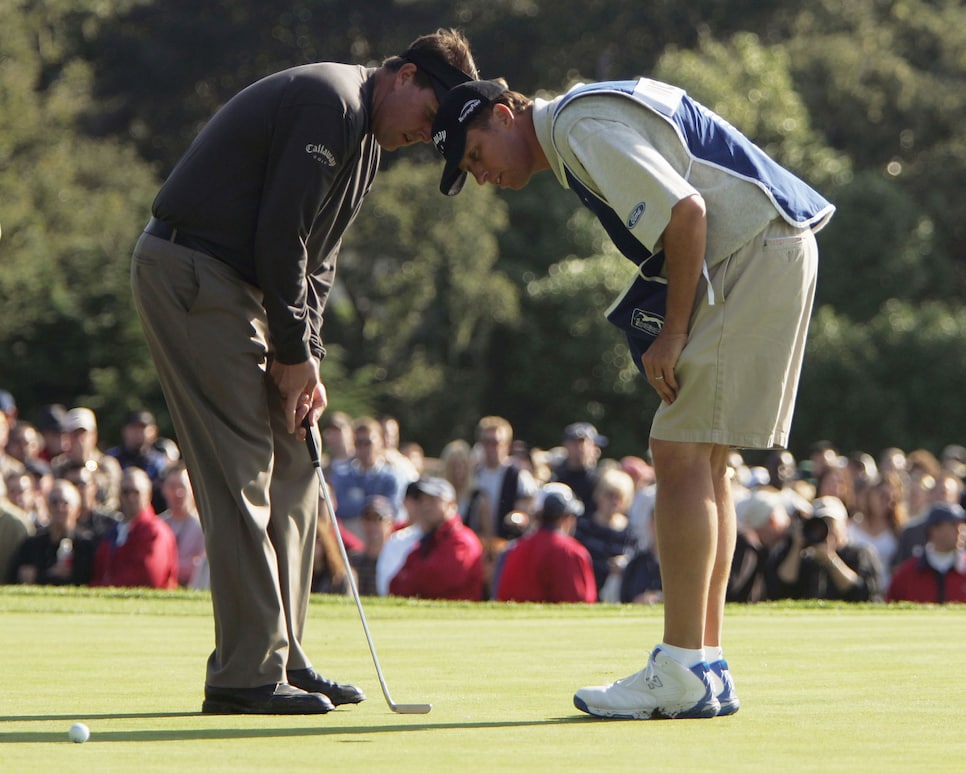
447 562
939 574
549 565
140 550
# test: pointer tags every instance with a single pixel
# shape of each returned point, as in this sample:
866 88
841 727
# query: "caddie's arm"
684 241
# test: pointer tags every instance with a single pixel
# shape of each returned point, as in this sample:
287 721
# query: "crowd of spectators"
490 518
74 514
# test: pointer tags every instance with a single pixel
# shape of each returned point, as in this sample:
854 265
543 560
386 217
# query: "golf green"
823 688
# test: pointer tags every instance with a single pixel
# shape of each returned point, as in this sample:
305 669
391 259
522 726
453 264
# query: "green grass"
824 688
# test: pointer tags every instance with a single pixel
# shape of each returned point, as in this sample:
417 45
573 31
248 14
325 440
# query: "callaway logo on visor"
439 140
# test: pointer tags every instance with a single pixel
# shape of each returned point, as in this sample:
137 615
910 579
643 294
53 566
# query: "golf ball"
79 732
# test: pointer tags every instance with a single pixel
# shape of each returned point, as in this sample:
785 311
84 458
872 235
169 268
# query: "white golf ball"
79 732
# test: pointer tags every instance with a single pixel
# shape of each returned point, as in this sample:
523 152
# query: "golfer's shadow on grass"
100 735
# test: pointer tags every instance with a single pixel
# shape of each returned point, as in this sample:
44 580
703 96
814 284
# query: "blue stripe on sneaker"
727 698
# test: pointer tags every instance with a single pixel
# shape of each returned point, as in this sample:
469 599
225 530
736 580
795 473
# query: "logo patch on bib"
636 214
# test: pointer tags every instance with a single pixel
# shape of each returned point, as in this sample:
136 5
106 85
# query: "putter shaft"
398 708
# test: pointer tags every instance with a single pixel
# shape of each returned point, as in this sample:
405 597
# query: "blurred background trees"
447 310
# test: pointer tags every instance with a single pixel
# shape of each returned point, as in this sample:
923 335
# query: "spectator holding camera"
817 561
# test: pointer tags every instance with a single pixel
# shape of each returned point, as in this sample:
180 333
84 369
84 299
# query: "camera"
814 529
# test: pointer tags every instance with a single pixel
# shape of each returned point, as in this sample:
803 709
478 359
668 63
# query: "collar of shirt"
543 126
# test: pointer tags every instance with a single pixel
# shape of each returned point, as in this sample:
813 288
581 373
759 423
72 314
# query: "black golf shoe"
310 680
267 699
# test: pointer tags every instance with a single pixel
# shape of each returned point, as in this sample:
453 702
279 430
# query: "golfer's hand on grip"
302 393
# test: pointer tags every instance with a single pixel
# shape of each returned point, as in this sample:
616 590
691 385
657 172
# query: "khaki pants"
739 372
254 482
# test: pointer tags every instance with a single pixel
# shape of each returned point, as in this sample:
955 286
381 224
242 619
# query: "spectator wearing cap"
139 436
817 561
376 520
938 575
137 449
81 425
447 562
578 470
548 565
52 426
948 489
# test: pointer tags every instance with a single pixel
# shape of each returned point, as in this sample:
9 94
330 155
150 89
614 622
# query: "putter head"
412 708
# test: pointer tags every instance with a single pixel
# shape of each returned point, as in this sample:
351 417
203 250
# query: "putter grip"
310 442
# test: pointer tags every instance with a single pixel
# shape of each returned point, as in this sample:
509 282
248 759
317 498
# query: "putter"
398 708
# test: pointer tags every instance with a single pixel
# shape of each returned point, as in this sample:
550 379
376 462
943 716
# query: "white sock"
711 654
683 656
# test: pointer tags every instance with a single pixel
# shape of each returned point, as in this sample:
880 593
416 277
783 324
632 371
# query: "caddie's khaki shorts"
739 372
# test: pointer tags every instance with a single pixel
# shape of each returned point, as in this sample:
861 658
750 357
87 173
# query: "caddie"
668 178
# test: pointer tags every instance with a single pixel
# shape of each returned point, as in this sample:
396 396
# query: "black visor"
443 75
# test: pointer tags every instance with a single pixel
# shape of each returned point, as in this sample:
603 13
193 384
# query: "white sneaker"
723 687
665 689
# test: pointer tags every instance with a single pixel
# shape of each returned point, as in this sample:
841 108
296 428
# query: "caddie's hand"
659 362
302 393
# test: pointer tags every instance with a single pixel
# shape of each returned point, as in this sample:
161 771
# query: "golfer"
230 279
665 174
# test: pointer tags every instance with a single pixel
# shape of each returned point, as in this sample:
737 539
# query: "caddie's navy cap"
456 110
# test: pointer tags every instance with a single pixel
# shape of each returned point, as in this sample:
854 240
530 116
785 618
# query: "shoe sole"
728 708
347 702
703 712
209 706
336 701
